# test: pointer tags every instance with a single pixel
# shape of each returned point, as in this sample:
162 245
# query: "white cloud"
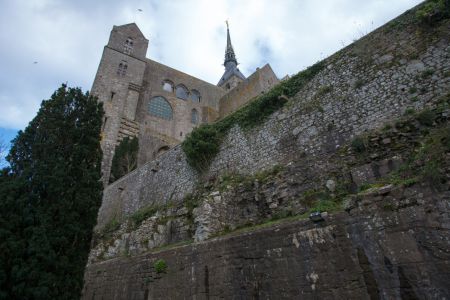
66 38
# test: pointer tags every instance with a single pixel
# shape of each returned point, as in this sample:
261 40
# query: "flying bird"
139 9
35 62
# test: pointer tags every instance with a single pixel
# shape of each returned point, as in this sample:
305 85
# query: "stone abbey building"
158 104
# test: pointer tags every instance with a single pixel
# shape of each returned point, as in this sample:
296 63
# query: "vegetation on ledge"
203 143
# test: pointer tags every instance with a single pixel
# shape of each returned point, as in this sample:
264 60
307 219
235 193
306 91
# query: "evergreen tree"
49 199
125 158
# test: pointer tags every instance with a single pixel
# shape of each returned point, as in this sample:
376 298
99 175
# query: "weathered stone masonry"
361 88
158 104
391 242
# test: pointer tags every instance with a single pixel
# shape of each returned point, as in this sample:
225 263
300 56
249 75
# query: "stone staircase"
127 128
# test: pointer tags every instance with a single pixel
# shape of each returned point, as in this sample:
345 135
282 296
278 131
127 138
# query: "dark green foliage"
160 266
359 144
125 158
409 111
359 83
203 143
110 227
412 90
325 206
324 90
142 214
431 156
427 73
426 117
387 127
49 199
432 11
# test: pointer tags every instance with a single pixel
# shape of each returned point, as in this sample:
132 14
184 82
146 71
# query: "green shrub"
358 144
324 90
111 226
160 266
325 205
201 145
433 11
426 117
387 127
427 73
412 90
409 111
142 214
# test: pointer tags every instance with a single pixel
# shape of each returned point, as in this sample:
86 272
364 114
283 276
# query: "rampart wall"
380 77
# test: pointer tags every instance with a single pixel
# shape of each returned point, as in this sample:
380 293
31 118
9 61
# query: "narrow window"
122 69
112 96
194 116
104 123
128 46
195 96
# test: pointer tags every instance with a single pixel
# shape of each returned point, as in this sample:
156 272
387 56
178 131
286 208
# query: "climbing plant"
202 145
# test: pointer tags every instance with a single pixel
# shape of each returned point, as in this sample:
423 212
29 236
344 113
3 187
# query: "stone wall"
361 87
243 233
166 179
391 156
392 243
376 79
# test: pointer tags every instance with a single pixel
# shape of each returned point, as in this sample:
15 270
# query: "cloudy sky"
48 42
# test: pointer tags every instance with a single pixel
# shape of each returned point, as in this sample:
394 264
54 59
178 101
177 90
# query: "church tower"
232 76
117 85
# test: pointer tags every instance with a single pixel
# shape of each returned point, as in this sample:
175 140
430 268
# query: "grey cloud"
67 38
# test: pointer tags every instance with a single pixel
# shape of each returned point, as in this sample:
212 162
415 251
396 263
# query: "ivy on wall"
203 143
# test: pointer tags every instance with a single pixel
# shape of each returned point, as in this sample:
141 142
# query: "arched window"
195 96
122 69
167 86
182 92
194 116
128 46
159 107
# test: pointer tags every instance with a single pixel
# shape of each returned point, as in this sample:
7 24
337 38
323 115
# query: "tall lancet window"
122 68
194 116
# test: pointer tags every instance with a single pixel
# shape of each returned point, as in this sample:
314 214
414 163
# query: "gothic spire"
232 74
229 51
